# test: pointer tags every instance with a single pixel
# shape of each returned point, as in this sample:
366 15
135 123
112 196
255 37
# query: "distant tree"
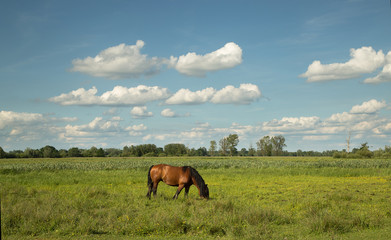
212 148
175 149
63 153
113 152
2 153
383 153
100 153
49 152
32 153
233 140
147 150
74 152
278 144
271 146
364 151
198 152
243 152
251 151
264 146
15 154
125 152
224 146
93 151
299 153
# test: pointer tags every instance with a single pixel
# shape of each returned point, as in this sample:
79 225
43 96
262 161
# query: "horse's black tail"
150 183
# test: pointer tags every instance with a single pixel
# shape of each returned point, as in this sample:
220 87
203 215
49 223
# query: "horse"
181 177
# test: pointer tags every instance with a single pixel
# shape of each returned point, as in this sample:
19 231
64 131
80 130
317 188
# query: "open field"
251 198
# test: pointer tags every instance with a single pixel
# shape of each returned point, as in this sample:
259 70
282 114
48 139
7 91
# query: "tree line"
227 146
267 146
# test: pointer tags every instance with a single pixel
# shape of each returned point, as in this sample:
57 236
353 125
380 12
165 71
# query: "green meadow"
251 198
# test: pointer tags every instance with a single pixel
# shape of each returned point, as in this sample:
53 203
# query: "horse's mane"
200 181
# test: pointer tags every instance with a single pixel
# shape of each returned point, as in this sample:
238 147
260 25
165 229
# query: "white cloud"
119 62
245 94
363 60
361 120
291 124
136 130
192 64
343 117
384 75
98 130
125 62
185 96
94 128
140 95
140 127
9 118
120 95
317 137
168 113
140 112
358 112
369 107
22 127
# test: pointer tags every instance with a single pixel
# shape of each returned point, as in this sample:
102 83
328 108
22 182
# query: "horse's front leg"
180 187
187 191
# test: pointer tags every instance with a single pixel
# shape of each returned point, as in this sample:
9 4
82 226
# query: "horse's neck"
196 184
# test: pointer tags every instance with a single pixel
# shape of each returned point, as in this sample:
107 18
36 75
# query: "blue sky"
116 73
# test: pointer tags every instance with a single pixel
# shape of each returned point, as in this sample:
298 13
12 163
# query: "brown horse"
181 177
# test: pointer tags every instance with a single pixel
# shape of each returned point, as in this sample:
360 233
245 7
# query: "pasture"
250 198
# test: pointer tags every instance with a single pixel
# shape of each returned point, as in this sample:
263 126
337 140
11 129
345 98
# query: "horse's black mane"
200 181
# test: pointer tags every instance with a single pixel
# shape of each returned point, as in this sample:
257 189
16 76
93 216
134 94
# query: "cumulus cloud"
93 128
126 62
291 124
369 107
136 130
119 62
363 120
120 95
168 113
8 118
204 131
384 75
19 119
185 96
316 137
245 94
363 60
99 129
24 127
196 65
140 112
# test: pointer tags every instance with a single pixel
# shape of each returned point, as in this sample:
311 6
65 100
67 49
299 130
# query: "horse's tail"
150 183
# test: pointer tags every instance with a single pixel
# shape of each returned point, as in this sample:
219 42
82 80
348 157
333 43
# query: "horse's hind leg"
154 189
180 187
149 191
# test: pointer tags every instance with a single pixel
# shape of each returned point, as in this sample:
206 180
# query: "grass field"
251 198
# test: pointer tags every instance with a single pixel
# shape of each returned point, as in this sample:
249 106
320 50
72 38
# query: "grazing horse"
181 177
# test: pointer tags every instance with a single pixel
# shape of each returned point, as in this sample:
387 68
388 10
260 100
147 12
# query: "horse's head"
205 191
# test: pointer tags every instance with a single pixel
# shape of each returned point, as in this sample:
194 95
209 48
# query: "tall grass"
251 198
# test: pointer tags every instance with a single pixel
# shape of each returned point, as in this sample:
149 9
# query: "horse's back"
171 175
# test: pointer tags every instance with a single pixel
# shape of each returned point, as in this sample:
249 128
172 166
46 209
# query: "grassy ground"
251 198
